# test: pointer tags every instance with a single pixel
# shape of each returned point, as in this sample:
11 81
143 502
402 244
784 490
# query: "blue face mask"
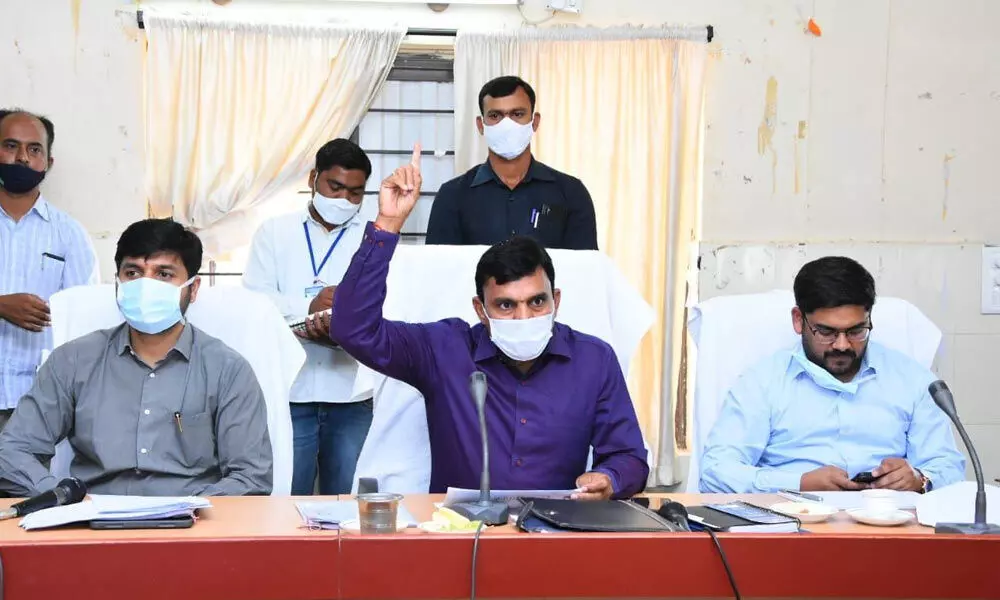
149 305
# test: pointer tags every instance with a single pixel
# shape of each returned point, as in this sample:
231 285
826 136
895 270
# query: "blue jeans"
328 438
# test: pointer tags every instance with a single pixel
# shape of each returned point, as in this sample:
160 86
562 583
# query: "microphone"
484 509
675 513
69 491
946 402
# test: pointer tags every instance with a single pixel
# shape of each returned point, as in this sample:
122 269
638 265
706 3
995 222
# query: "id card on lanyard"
318 285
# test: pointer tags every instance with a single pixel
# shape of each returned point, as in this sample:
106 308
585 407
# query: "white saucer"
805 512
354 526
897 517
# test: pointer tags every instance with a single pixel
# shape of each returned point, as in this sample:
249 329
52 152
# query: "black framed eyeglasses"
829 335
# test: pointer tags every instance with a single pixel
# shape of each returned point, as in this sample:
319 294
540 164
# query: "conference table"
257 548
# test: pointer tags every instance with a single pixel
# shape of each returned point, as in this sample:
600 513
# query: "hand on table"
897 474
595 486
828 479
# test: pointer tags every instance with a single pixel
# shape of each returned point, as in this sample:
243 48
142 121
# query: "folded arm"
619 451
736 443
43 418
242 440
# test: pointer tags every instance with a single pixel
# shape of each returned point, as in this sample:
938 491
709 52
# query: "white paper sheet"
114 507
849 500
456 495
329 514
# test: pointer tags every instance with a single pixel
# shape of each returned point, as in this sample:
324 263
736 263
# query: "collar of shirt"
40 207
184 345
800 364
536 170
485 349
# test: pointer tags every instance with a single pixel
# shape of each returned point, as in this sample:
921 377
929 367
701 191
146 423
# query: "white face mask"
508 138
335 211
522 339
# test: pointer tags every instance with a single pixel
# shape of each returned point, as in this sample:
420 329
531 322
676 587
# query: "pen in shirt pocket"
535 213
177 419
53 257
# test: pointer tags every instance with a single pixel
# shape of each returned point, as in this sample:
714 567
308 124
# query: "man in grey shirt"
152 407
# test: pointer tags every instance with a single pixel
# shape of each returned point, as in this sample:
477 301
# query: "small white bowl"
805 512
880 519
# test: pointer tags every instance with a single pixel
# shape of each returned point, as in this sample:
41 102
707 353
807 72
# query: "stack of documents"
125 508
330 514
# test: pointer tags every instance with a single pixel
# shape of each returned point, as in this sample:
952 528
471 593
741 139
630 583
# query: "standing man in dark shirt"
512 193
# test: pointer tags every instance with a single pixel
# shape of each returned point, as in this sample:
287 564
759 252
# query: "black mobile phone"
864 477
178 522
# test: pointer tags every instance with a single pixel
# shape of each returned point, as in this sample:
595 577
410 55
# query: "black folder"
579 515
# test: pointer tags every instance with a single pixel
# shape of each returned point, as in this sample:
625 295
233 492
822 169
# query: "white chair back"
429 283
246 321
732 333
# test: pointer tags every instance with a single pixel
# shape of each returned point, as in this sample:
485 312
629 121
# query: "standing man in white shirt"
42 250
298 259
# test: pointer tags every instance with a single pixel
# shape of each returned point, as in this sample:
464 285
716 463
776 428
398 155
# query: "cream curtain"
236 110
620 108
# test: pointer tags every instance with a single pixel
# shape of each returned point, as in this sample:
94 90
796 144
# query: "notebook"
742 517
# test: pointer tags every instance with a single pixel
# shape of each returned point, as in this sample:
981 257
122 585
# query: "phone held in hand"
864 477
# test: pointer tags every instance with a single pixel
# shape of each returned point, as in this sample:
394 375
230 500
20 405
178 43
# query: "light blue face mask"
149 305
824 378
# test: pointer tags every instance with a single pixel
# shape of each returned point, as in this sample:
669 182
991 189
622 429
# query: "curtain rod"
421 32
709 30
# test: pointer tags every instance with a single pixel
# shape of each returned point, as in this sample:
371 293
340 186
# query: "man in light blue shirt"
42 250
812 417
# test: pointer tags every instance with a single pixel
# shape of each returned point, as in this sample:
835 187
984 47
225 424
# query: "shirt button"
524 421
145 412
144 451
152 375
517 463
512 232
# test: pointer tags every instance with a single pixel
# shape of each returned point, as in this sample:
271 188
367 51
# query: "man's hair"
345 154
831 282
518 257
156 236
502 87
50 129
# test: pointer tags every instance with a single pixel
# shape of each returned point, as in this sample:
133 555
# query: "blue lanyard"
312 256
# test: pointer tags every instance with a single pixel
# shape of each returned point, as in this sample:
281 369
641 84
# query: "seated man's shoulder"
899 366
221 353
588 345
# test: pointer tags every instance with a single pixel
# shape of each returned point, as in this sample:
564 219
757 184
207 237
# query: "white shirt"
280 266
44 252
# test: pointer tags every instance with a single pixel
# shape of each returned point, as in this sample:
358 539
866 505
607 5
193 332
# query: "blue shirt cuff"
773 480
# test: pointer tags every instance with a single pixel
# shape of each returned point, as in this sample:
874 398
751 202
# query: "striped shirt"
46 251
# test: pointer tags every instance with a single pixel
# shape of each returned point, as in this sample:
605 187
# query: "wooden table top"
257 548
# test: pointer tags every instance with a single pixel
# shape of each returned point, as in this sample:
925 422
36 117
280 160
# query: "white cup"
880 503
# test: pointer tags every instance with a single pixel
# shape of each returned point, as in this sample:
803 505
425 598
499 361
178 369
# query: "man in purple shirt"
553 392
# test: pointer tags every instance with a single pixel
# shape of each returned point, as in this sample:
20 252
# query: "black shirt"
478 209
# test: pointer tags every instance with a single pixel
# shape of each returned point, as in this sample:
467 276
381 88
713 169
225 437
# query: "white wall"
880 146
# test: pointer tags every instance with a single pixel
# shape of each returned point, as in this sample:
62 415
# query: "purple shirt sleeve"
619 451
398 350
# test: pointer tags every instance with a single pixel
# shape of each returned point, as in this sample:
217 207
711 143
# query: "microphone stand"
485 509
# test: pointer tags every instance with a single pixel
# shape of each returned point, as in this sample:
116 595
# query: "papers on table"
125 508
330 514
849 500
456 495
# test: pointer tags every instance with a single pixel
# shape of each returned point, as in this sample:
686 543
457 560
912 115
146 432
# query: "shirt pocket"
551 223
197 440
50 277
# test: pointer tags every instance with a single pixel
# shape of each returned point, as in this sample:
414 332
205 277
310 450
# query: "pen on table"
177 419
793 495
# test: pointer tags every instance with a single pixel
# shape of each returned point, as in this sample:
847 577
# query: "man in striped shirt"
42 250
